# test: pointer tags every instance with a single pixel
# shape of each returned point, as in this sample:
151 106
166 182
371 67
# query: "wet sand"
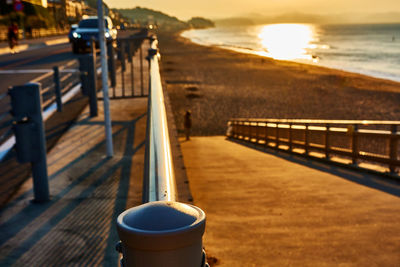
218 84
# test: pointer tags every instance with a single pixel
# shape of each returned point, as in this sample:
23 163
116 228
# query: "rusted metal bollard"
162 233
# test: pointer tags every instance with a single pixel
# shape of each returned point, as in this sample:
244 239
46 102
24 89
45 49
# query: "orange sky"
228 8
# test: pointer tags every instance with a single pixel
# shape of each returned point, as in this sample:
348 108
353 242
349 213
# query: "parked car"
88 29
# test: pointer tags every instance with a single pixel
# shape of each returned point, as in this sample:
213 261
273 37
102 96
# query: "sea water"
372 49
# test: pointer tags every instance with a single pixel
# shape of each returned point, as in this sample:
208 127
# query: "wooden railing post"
257 132
354 144
277 136
327 126
306 141
290 138
393 142
249 130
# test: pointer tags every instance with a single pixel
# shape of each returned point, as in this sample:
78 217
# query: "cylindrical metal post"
162 233
104 76
27 110
57 88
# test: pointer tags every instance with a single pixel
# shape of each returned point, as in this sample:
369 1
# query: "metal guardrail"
69 82
159 181
354 141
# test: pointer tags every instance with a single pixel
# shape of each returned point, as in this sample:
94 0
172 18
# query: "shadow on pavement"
381 183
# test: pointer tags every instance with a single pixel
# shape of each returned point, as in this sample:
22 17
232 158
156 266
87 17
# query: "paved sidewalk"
87 190
271 209
30 44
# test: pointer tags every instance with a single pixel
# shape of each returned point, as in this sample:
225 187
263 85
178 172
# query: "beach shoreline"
328 45
217 84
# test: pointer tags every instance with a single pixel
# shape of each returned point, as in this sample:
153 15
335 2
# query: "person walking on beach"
187 123
12 36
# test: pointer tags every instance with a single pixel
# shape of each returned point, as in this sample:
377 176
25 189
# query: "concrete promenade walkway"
88 191
270 209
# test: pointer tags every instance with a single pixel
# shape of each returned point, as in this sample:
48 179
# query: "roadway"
16 69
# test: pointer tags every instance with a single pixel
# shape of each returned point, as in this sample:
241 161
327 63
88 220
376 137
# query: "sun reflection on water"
288 41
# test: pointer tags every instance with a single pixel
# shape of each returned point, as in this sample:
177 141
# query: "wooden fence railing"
360 143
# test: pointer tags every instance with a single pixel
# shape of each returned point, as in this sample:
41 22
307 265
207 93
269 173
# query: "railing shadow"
361 177
14 174
89 189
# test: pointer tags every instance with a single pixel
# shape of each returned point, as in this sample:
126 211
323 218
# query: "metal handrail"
159 181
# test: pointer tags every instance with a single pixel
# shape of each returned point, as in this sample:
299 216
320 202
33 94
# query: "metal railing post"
57 88
87 67
112 66
29 134
393 143
92 92
121 56
130 60
162 233
141 70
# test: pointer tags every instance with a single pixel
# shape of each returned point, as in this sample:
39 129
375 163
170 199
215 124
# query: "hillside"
145 16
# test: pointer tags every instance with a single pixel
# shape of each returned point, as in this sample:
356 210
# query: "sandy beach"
218 84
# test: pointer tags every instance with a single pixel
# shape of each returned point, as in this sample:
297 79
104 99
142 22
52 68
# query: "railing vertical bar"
123 67
141 70
131 55
327 145
354 144
277 136
266 135
393 143
306 140
290 138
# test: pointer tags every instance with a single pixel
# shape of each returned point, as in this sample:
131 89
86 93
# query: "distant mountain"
146 16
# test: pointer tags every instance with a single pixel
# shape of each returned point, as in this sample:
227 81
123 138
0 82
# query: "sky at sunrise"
228 8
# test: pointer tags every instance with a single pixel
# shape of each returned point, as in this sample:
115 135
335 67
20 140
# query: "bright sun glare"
288 41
